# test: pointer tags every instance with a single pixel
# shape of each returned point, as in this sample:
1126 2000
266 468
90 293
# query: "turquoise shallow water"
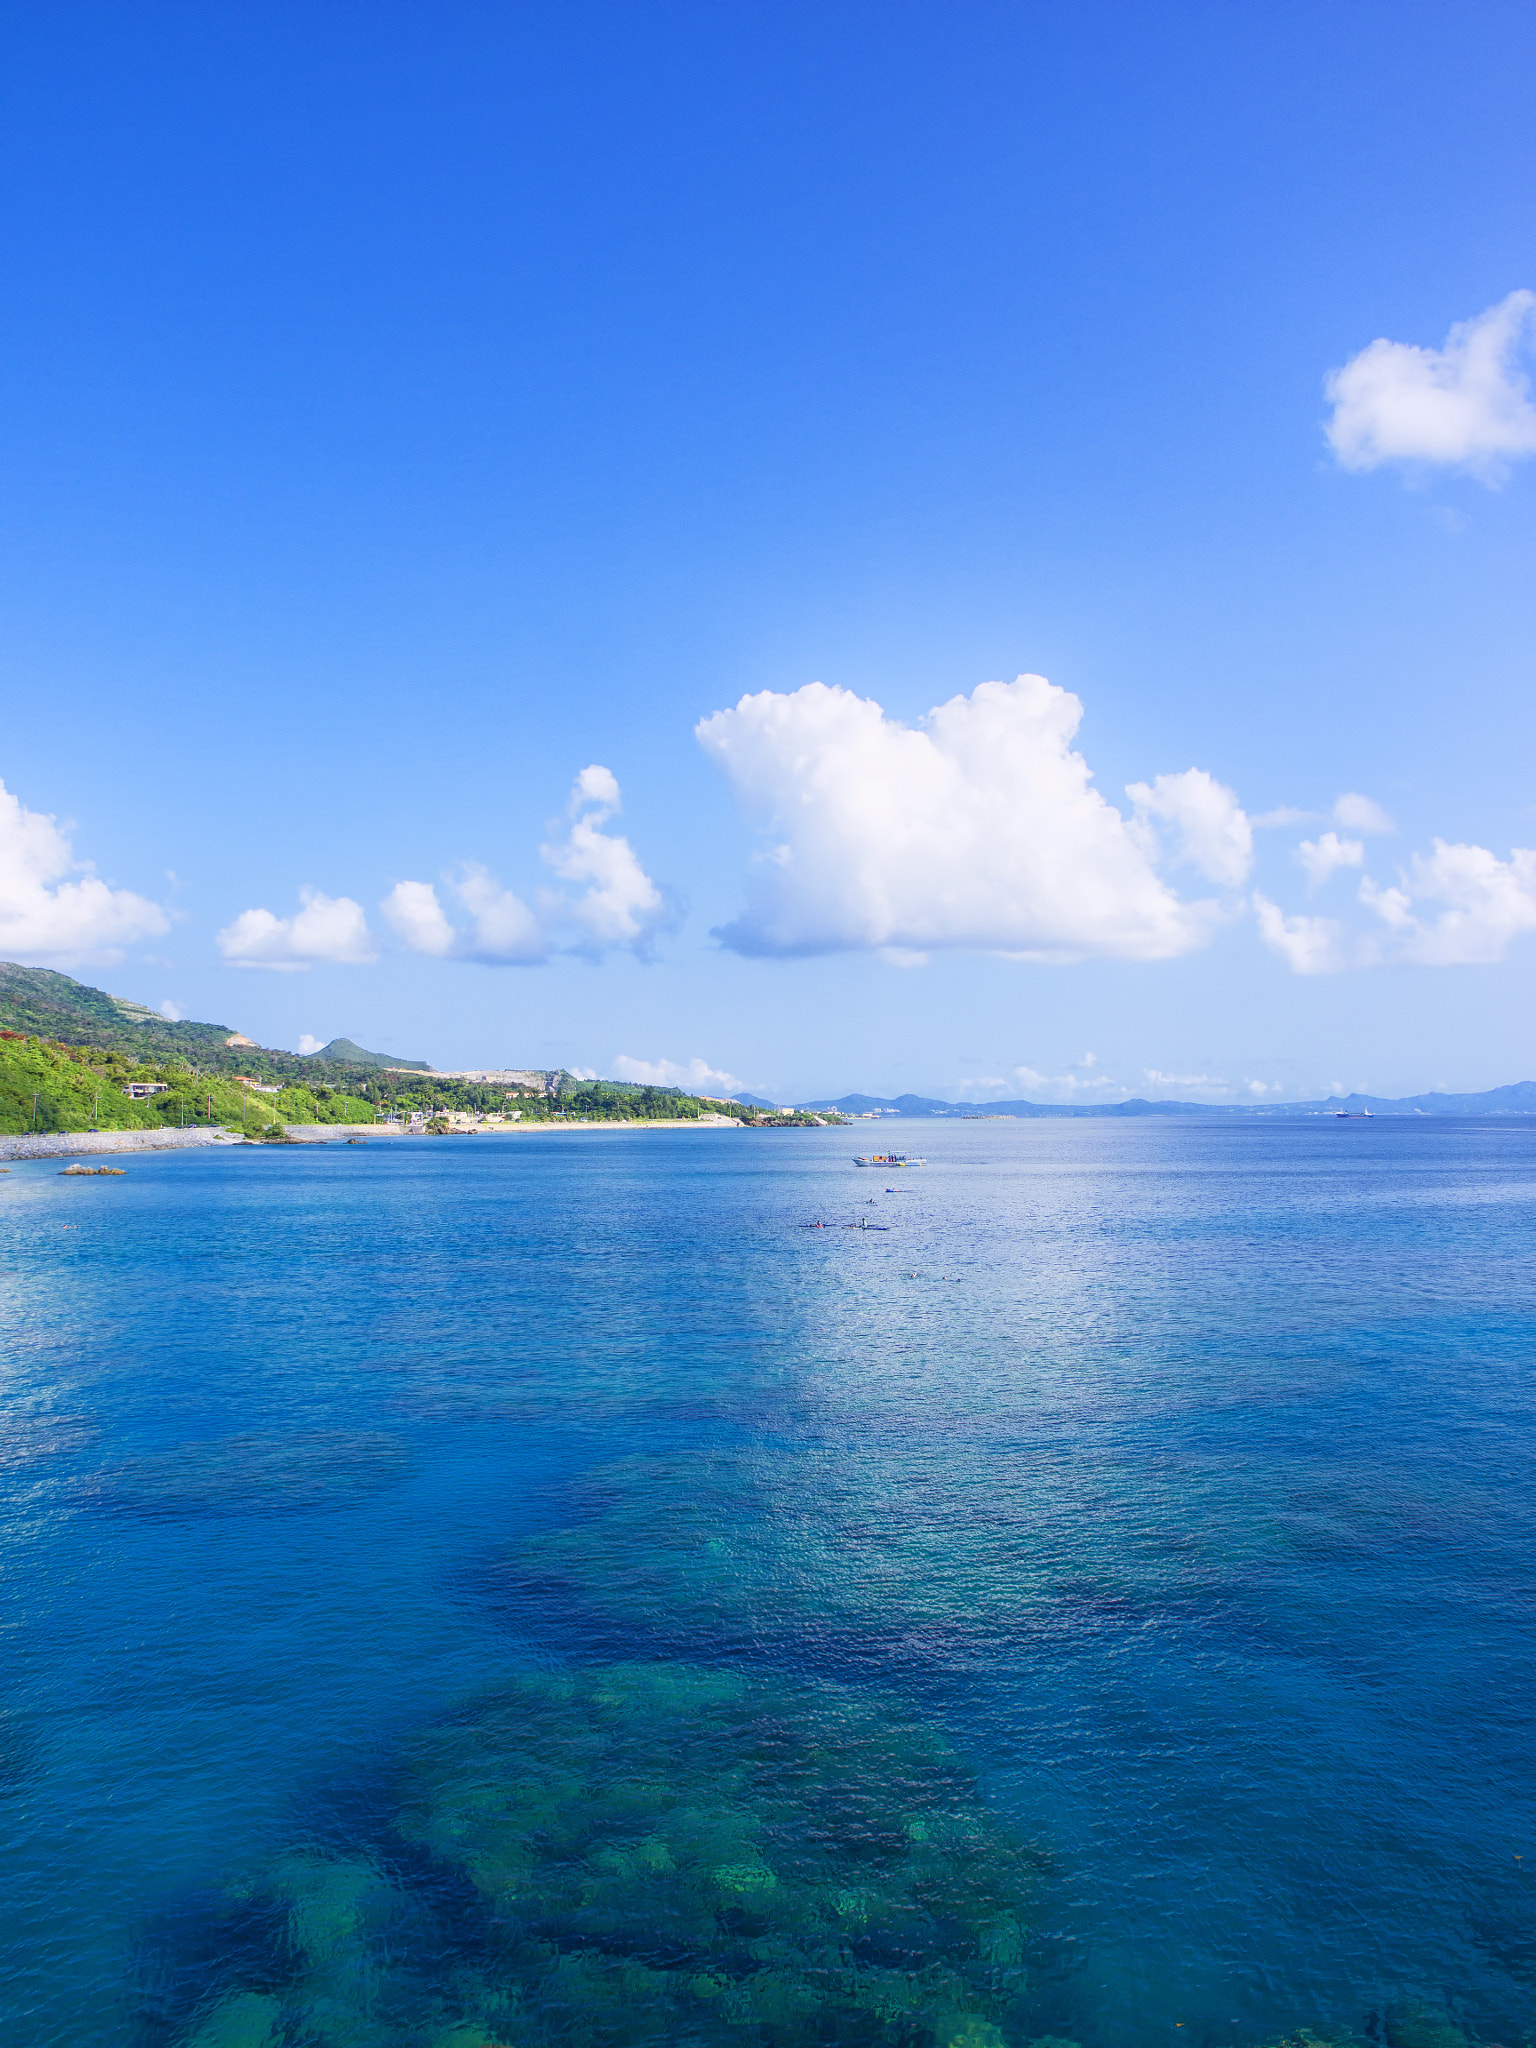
533 1590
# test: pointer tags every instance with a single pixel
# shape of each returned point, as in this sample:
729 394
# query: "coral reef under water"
656 1853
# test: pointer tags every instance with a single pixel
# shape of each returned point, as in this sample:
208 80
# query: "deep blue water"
1177 1474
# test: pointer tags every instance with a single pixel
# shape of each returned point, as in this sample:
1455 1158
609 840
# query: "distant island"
76 1059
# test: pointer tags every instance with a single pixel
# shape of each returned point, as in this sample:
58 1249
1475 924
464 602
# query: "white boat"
888 1159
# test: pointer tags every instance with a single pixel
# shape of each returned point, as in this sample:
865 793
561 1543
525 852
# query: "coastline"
318 1134
76 1144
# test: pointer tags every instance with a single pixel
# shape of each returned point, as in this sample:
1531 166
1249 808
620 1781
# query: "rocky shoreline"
74 1144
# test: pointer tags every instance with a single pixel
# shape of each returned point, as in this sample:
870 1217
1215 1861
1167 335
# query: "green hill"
40 1003
343 1051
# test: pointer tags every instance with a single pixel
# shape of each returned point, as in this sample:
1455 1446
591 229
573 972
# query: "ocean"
535 1590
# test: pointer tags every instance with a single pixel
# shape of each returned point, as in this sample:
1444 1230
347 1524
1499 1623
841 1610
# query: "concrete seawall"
66 1144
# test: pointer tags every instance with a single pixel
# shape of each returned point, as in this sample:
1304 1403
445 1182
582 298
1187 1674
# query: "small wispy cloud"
1328 853
1073 1082
1308 945
1357 813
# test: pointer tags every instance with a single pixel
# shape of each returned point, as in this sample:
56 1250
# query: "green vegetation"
49 1085
46 1086
572 1101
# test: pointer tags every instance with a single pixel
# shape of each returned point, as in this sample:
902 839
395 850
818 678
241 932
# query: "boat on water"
1351 1113
888 1159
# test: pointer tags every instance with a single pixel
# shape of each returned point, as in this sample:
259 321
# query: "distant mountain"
1517 1098
930 1105
344 1052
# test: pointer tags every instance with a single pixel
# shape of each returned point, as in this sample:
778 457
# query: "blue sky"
403 411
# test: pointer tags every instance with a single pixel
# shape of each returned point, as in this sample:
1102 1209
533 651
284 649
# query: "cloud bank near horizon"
1464 406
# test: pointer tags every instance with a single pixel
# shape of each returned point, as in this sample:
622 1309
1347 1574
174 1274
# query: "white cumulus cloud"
51 906
171 1011
502 931
1466 405
1487 903
979 828
1211 832
327 930
1456 906
618 903
1325 855
695 1075
614 904
415 916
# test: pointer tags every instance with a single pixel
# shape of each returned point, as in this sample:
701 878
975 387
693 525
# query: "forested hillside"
46 1086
